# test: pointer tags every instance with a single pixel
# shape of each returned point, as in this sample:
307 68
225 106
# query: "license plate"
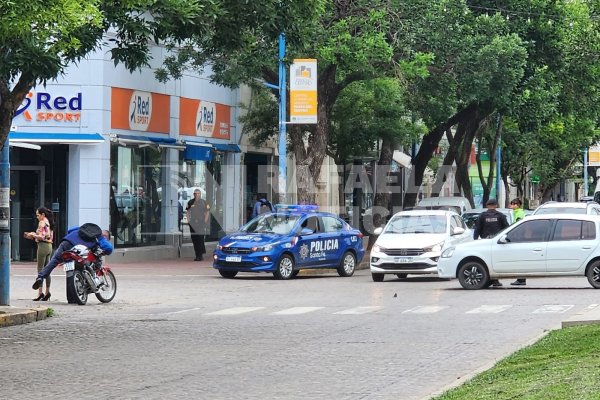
233 258
69 266
403 260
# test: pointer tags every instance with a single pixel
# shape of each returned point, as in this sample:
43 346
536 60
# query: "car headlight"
449 252
435 248
219 247
268 247
378 249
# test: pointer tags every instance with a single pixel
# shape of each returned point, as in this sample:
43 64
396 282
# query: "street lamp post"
585 172
4 226
282 143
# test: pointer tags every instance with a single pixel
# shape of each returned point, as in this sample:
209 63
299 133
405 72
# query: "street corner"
589 316
16 315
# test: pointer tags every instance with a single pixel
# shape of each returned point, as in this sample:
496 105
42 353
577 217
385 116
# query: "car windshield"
561 210
417 224
470 219
281 224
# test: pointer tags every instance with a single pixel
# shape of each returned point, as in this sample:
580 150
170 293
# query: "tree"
351 41
39 39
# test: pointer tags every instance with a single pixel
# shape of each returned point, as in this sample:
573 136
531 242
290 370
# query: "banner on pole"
303 91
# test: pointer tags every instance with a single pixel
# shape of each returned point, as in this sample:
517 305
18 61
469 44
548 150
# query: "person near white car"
488 224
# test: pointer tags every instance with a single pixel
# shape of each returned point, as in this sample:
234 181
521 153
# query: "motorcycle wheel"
80 288
107 291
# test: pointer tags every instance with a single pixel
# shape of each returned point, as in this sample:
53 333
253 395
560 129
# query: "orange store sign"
204 118
140 111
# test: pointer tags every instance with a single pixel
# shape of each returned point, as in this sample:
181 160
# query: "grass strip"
565 364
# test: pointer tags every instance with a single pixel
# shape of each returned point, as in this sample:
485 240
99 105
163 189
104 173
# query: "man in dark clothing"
488 224
89 235
197 215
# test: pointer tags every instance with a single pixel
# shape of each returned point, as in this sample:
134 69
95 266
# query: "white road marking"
424 310
297 310
553 309
359 310
489 309
235 311
182 311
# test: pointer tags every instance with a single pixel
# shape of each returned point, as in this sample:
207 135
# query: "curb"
16 316
589 316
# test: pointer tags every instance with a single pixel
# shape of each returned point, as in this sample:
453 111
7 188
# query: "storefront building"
126 152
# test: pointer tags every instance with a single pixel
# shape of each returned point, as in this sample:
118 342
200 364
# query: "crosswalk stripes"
425 310
360 310
235 311
489 309
297 310
553 309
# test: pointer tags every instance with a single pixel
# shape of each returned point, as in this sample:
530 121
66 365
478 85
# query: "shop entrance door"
26 195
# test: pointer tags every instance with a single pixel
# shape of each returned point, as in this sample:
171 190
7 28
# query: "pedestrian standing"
489 223
197 215
261 206
518 214
43 236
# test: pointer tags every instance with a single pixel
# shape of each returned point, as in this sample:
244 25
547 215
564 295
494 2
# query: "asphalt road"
178 330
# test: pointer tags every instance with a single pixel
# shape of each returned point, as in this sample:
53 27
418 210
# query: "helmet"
81 250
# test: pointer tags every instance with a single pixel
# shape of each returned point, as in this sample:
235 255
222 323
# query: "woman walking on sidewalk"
44 236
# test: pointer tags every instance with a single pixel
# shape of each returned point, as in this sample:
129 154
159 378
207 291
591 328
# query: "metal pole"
4 226
498 163
282 122
586 190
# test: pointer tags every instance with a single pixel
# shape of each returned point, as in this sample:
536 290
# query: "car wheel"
401 276
285 267
377 277
473 275
593 274
347 265
227 274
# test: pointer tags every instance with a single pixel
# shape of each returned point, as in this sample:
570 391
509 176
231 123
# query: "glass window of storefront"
135 196
206 176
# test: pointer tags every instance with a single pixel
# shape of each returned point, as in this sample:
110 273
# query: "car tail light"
360 235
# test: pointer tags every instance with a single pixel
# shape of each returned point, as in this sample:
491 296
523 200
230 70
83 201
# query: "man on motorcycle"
88 235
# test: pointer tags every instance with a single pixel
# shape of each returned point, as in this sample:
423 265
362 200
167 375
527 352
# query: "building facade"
126 152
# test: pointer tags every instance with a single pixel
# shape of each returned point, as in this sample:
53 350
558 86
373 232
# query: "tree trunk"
381 204
447 164
312 154
429 143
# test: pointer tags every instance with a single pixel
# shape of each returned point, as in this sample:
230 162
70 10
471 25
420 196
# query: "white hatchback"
536 246
412 241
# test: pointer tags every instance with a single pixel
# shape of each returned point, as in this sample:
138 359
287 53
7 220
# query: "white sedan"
537 246
412 241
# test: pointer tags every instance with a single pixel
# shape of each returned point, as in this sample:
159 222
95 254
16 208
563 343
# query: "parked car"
412 241
546 245
470 217
557 207
288 240
461 202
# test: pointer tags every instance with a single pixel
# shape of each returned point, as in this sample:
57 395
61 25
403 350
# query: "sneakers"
37 284
496 283
519 282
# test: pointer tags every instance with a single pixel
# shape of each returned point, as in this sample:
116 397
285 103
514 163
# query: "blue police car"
290 239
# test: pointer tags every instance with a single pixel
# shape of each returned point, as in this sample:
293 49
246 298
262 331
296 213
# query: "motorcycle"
87 274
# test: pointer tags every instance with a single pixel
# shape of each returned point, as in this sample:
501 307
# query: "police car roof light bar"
297 207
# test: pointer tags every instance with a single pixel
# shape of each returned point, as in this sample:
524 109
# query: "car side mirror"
378 231
458 230
306 231
503 240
